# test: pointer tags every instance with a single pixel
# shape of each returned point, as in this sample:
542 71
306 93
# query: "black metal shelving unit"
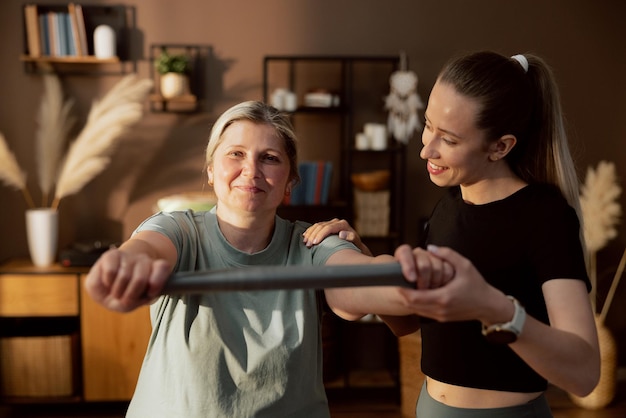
361 82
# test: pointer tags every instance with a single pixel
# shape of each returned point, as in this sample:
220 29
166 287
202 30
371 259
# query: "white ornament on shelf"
104 42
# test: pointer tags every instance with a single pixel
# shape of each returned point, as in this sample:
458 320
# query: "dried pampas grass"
108 119
600 209
10 172
54 125
90 152
601 213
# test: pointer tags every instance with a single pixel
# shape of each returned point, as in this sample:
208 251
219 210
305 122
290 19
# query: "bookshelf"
328 133
327 130
61 37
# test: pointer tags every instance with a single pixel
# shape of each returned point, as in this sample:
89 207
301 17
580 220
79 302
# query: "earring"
493 158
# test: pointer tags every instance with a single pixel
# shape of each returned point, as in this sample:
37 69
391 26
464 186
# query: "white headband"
522 61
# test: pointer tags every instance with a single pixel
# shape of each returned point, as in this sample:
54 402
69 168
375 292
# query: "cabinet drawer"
38 295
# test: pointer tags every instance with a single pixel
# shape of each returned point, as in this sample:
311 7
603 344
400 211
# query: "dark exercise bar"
287 277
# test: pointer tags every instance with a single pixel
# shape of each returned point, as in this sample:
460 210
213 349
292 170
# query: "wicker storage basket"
604 392
36 366
372 212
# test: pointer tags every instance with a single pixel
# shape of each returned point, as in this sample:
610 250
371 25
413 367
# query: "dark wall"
584 42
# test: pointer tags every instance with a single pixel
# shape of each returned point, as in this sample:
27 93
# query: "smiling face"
250 169
456 150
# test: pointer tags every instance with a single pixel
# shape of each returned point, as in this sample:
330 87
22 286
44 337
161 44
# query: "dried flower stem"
593 277
613 289
55 203
29 199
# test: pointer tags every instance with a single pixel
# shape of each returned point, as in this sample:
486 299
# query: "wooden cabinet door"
113 347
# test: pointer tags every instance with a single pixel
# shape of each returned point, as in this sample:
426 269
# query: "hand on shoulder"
320 230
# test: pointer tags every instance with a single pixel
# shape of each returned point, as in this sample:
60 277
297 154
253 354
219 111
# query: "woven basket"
372 212
604 392
371 181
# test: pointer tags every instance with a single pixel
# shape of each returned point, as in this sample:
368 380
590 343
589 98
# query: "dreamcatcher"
403 102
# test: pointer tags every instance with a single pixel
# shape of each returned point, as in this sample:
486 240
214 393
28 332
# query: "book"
75 38
314 186
328 173
32 30
82 33
61 32
70 49
309 180
43 34
53 36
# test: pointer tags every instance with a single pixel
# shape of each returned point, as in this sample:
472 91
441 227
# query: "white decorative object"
321 98
104 42
283 99
174 85
403 103
291 101
377 135
361 141
42 232
278 98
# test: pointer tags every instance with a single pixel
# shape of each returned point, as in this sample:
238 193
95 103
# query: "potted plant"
173 70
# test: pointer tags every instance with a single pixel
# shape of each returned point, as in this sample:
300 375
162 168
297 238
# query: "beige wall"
584 41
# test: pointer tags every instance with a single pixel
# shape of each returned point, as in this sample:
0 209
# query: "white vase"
104 42
174 85
42 232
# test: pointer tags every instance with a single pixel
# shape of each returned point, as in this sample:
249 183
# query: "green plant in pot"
173 70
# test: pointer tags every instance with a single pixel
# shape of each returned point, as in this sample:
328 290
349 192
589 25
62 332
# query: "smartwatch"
507 332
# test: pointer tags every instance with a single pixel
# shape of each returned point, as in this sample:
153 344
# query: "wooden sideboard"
57 344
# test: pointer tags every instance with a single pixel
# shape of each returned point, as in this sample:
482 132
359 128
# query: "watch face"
501 336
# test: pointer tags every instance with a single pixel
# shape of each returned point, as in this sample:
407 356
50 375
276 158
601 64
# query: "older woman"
239 354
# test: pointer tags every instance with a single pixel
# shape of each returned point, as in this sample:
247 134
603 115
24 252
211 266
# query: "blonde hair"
257 112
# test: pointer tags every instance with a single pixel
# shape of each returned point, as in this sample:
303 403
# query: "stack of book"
56 33
314 186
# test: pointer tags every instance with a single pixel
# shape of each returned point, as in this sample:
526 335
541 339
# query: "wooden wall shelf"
197 56
78 54
90 59
188 102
